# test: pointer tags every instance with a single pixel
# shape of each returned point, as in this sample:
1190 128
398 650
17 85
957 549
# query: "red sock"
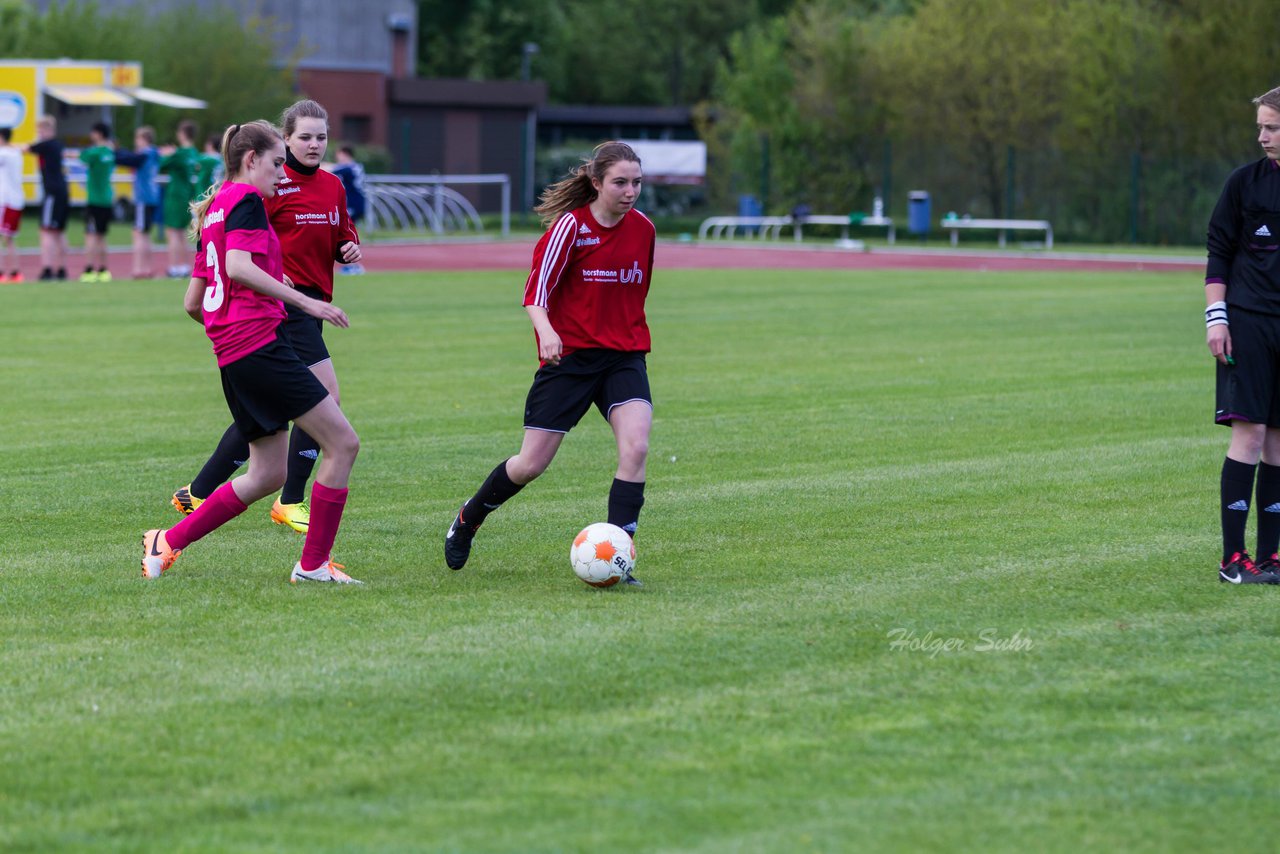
216 510
326 514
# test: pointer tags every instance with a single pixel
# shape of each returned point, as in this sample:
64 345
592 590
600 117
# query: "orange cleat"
157 557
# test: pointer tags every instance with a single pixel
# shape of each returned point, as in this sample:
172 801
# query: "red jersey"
309 212
237 319
593 280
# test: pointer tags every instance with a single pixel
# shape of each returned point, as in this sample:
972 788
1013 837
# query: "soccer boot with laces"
296 516
457 543
157 557
1271 565
1242 570
184 502
327 571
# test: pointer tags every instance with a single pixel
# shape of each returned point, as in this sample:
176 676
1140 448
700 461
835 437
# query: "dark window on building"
356 129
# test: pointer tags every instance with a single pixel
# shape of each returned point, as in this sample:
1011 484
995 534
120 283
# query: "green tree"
799 109
982 77
238 76
480 39
207 53
1222 57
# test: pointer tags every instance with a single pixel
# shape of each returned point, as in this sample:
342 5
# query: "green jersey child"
100 161
182 165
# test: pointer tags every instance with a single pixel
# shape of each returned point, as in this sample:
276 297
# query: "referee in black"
1242 292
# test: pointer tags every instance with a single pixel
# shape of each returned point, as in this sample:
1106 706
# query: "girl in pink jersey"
236 281
585 296
309 213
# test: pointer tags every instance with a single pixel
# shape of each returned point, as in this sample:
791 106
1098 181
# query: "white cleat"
327 571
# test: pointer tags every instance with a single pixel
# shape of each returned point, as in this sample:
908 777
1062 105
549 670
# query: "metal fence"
430 203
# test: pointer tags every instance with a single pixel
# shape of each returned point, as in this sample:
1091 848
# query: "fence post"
1135 194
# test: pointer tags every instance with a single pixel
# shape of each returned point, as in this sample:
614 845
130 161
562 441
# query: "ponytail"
237 141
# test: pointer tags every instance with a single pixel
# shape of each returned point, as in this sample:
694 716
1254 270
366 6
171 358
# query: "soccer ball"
602 554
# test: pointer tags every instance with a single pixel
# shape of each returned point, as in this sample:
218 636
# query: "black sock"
89 269
231 453
1237 487
303 452
491 495
1268 504
625 500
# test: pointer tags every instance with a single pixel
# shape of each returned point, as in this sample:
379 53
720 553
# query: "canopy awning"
90 96
104 96
167 99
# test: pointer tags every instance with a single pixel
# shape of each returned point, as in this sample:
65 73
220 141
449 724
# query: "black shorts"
96 220
53 212
270 387
1249 390
144 216
561 394
306 333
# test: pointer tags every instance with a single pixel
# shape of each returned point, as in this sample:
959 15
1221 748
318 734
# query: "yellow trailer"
77 94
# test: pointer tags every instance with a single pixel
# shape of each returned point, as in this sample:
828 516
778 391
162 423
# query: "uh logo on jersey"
606 276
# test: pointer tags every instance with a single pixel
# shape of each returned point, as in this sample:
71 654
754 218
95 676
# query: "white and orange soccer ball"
602 554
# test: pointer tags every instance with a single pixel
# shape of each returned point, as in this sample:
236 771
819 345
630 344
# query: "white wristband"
1216 315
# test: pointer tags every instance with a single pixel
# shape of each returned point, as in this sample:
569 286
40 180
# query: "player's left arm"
348 248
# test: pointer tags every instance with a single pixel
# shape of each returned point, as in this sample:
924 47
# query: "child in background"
100 161
352 175
12 201
181 164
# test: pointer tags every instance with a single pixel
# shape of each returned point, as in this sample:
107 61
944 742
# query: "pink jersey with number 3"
237 319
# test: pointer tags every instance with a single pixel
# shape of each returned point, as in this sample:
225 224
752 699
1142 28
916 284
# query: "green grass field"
929 564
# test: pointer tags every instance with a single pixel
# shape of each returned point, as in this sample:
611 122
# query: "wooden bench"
954 225
844 221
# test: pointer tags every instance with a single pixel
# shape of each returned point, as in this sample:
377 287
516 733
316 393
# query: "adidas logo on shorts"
1262 231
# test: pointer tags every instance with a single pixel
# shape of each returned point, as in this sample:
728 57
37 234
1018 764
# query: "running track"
515 254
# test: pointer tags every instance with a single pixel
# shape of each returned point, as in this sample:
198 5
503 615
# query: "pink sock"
216 510
326 514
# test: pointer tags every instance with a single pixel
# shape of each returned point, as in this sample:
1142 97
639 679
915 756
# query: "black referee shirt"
1244 238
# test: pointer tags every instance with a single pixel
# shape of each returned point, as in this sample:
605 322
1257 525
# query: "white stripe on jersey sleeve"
556 256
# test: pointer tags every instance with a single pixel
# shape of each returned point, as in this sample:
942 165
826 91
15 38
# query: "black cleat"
457 543
632 580
1242 570
1271 565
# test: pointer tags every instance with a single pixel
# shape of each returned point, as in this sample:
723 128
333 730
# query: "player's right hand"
1219 341
550 348
327 311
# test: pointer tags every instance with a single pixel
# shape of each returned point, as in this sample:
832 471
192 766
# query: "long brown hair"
576 190
238 140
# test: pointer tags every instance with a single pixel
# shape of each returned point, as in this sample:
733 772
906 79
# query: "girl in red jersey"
237 292
585 296
309 212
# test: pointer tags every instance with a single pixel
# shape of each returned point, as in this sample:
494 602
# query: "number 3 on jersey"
213 294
